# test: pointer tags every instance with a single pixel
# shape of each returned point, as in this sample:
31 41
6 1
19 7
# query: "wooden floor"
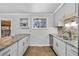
39 51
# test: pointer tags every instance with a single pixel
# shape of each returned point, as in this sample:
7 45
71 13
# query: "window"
39 23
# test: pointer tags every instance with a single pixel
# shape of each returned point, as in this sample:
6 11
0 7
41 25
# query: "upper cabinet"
59 16
68 9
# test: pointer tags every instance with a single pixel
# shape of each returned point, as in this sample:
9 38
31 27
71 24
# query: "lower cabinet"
62 48
27 41
10 51
14 49
55 45
6 52
22 46
59 47
71 51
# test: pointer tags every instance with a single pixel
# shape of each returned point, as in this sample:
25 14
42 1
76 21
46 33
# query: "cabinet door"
25 44
20 48
55 19
14 49
28 41
6 52
55 45
61 48
72 51
69 9
59 15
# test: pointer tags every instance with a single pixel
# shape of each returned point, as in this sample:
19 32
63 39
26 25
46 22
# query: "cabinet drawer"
69 9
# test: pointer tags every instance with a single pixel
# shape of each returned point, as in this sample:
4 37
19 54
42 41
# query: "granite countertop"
8 41
73 43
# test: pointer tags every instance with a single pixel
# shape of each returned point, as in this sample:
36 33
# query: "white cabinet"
59 16
27 41
22 46
55 45
71 51
6 52
66 10
25 44
70 9
59 47
14 49
62 48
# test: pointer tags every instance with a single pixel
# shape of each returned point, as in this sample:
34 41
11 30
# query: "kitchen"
39 29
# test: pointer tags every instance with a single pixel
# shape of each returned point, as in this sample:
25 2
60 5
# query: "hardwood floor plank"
39 51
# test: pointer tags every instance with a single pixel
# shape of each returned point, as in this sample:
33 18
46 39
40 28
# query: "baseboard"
39 45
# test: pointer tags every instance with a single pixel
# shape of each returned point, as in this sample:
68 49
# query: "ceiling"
28 7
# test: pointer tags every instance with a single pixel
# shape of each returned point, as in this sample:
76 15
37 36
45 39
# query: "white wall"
38 36
16 29
15 22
